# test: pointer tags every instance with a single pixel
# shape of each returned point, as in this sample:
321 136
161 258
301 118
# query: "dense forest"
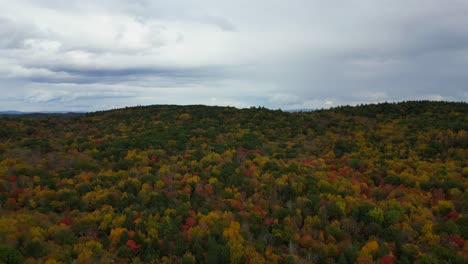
383 183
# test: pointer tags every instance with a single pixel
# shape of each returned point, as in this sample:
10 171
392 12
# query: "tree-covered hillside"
379 183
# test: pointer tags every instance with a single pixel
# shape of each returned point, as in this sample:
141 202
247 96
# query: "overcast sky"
89 55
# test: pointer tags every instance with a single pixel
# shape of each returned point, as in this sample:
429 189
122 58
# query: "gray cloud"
14 34
90 55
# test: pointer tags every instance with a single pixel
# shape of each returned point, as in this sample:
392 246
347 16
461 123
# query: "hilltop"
186 184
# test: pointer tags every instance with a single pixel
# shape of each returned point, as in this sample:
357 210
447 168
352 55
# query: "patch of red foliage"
208 189
184 228
306 240
366 192
259 210
133 245
344 171
199 190
237 204
452 215
269 221
191 222
457 240
67 221
183 181
187 190
387 260
332 175
166 180
136 217
12 178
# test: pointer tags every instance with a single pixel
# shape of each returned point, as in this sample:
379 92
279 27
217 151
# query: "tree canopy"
382 183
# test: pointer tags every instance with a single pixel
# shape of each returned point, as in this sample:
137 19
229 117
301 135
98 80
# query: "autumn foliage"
382 183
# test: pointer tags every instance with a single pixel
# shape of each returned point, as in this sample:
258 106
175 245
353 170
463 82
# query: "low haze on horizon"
94 55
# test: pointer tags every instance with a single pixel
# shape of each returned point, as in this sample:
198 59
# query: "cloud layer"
90 55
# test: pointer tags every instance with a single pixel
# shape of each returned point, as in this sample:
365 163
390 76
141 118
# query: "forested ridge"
383 183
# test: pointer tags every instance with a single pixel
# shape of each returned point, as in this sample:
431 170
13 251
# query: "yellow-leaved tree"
235 242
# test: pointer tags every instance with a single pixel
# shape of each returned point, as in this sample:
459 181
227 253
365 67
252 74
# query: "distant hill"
13 112
382 183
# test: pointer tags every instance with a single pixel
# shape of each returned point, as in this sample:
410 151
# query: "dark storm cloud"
126 72
155 77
